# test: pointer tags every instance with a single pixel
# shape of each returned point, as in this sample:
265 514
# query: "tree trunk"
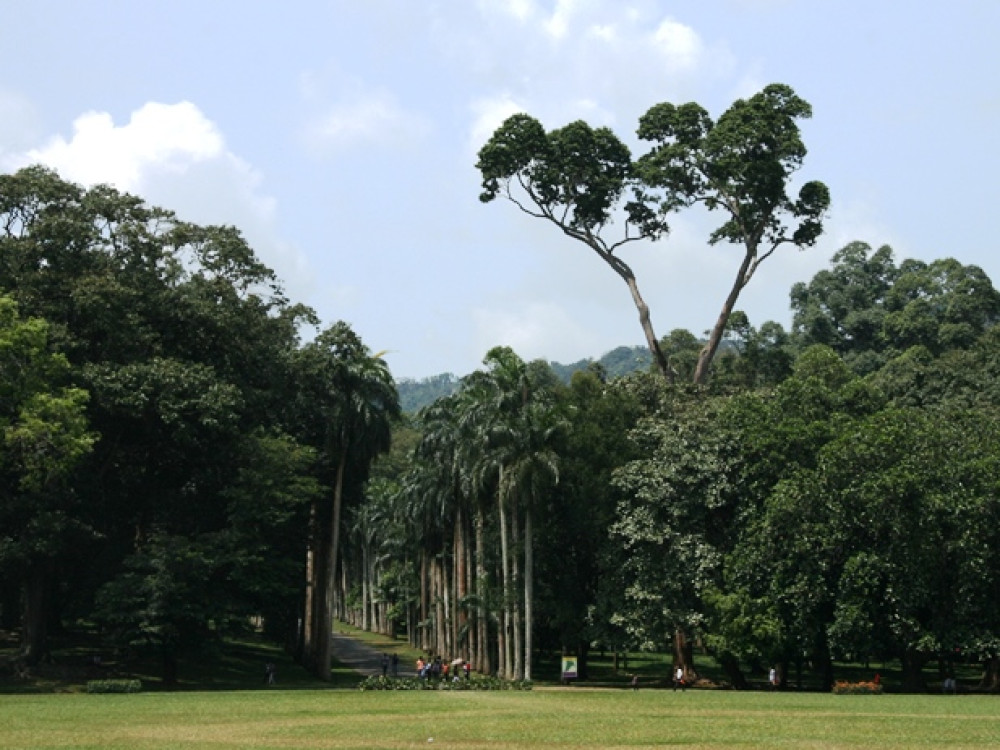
169 667
506 664
482 657
708 352
424 602
440 613
582 660
309 605
325 636
518 621
366 623
647 329
683 655
913 679
990 681
34 635
645 321
731 666
459 619
529 591
320 576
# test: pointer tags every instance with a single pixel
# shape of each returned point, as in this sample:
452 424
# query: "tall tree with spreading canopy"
741 164
580 178
575 177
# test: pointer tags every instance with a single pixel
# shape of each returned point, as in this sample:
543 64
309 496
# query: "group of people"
439 669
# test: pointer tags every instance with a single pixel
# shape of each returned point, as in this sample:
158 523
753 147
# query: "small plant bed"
857 688
377 682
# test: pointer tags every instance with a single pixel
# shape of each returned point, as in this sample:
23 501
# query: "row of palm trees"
448 549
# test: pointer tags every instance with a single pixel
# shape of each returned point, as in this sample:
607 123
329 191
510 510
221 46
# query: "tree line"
830 494
179 462
174 457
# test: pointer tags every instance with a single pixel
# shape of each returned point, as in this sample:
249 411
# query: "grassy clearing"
565 718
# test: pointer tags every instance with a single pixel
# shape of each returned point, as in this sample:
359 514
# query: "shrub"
857 688
114 686
377 682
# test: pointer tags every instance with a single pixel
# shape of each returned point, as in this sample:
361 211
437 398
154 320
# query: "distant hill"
416 394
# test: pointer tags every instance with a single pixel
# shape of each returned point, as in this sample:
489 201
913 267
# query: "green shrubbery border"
114 686
377 682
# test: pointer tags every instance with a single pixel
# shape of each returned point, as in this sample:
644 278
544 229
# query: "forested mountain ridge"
414 394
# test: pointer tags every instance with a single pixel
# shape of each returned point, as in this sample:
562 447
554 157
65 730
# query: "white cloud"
557 25
168 137
680 45
617 59
521 10
367 118
488 115
173 156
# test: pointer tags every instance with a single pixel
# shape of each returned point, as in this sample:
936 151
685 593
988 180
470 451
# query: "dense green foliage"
158 463
802 509
177 466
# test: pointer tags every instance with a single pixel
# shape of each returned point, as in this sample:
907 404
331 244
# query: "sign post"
569 668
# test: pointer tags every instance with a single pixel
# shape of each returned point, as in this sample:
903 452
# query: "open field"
565 718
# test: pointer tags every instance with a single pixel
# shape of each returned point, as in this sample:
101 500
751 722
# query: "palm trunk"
518 622
325 636
365 593
308 643
506 665
440 600
529 591
424 608
459 615
482 658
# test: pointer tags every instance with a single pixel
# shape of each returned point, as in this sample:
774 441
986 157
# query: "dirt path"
363 659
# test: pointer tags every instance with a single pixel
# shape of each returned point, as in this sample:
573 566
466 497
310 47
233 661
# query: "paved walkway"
364 659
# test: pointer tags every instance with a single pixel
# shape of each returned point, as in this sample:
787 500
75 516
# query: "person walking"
679 679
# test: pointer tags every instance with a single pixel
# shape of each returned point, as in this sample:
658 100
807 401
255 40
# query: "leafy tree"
181 337
577 177
579 565
574 177
740 164
672 520
869 310
44 435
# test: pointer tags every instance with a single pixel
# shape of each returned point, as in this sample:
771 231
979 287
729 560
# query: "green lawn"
564 718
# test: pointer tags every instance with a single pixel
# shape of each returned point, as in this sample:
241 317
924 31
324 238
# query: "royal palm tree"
519 426
349 404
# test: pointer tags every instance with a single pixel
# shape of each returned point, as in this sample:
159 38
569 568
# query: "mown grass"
551 717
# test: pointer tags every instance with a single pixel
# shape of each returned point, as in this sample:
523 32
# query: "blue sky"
341 137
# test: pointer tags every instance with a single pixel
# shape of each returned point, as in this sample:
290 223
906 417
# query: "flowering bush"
843 687
377 682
